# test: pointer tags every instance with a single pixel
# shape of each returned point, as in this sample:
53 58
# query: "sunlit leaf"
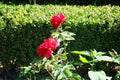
57 73
60 51
70 38
63 56
105 58
66 33
94 52
55 34
100 53
117 60
67 72
71 67
87 53
76 76
67 27
60 77
98 75
83 59
71 33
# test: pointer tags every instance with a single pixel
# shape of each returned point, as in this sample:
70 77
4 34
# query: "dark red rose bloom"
57 20
47 47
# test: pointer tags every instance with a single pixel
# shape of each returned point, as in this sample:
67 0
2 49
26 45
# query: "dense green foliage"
23 28
78 2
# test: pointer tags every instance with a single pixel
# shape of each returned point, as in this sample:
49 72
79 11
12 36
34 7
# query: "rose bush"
62 66
58 67
57 20
47 47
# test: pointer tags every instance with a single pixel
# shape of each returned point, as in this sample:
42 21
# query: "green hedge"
23 28
77 2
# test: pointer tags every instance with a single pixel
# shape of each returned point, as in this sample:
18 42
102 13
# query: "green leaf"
63 56
86 53
117 59
67 35
27 69
70 38
94 52
76 76
55 34
105 58
57 73
35 70
67 72
60 51
100 53
67 27
83 59
61 39
117 77
71 33
98 75
60 77
71 67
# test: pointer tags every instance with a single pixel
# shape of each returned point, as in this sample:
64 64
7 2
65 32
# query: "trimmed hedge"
23 28
76 2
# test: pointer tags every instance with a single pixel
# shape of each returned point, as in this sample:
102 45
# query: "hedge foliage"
23 28
76 2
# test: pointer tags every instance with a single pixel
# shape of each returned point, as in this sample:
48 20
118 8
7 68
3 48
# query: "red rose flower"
47 47
57 20
51 43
